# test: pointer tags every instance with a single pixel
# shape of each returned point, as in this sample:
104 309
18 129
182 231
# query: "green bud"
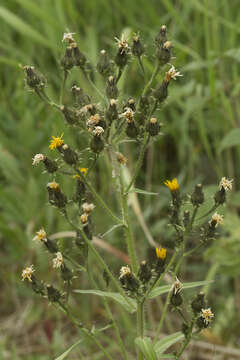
137 46
161 37
111 89
164 53
198 303
197 197
176 299
68 61
144 272
50 165
34 79
69 155
153 127
53 294
104 65
132 130
79 57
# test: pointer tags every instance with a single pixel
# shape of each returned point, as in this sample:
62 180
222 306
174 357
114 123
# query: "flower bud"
97 143
79 57
153 127
111 88
34 79
53 294
132 130
122 55
50 165
161 37
66 273
176 300
137 46
69 155
128 280
220 197
161 91
198 303
68 61
56 197
186 218
197 197
81 98
164 53
144 272
104 65
112 112
70 115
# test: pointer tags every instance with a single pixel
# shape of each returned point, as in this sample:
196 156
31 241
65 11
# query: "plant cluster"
108 125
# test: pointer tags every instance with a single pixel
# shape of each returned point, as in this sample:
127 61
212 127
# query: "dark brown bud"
197 197
56 196
112 112
104 65
153 127
68 155
68 61
144 272
198 303
176 299
50 165
70 115
66 273
34 79
164 53
161 37
54 295
220 196
132 130
137 46
161 91
111 89
186 218
79 57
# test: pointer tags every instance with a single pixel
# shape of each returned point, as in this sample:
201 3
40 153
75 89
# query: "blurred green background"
200 144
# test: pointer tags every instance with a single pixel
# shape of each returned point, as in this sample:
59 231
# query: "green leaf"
18 24
146 347
115 296
63 356
231 139
163 344
143 192
166 288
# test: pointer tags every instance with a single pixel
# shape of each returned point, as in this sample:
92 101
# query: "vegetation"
202 107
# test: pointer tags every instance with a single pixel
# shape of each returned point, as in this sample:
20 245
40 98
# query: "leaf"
18 24
146 347
167 341
143 192
63 356
115 296
231 139
166 288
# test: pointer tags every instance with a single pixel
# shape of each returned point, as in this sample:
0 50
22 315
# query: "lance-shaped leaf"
164 343
145 345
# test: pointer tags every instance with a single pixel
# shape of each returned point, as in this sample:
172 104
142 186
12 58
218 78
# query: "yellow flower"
56 142
161 253
83 171
172 184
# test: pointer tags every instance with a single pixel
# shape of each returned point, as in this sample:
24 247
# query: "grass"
200 113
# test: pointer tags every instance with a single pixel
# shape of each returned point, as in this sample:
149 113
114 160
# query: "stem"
119 74
154 74
187 340
63 86
139 162
129 235
140 325
209 212
98 258
99 199
109 312
93 85
141 65
46 99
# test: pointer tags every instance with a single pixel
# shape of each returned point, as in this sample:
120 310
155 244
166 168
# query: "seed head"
128 114
207 315
216 219
125 271
27 273
98 130
53 185
226 184
122 44
177 286
172 73
88 208
38 158
58 260
40 235
84 218
68 37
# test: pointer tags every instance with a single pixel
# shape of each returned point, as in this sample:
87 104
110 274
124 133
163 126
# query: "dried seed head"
216 220
53 185
37 159
88 208
93 120
27 273
41 235
98 130
172 73
84 218
226 184
207 315
121 158
167 45
58 260
129 115
125 271
68 37
122 44
177 286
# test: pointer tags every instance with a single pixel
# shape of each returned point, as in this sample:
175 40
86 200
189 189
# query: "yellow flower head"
172 184
161 253
56 142
53 185
83 171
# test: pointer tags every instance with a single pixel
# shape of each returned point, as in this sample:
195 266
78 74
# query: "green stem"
99 199
187 340
43 96
154 74
63 86
98 258
209 212
109 312
119 74
139 162
94 86
140 325
141 65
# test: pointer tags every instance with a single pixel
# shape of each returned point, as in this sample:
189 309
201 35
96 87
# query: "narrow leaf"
143 192
115 296
230 139
63 356
163 344
146 347
166 288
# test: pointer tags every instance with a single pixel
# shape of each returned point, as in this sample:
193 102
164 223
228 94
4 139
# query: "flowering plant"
107 125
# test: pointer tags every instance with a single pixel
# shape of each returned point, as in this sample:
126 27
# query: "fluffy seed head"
27 273
37 159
